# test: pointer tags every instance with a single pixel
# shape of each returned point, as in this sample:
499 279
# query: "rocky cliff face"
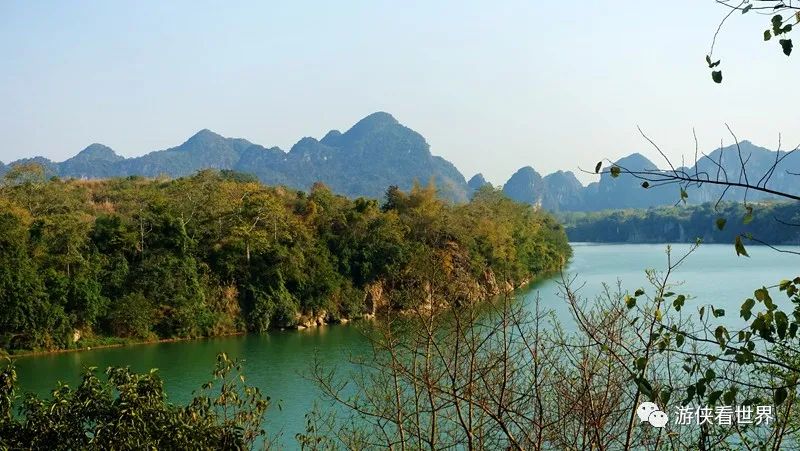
562 191
525 186
461 287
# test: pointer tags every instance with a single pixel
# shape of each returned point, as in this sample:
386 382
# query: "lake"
277 361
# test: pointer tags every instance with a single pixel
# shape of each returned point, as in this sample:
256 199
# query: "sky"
493 86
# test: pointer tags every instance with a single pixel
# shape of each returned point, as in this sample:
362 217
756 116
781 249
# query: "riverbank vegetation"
219 253
722 223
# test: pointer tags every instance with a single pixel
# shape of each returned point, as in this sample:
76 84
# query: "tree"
27 317
128 411
721 365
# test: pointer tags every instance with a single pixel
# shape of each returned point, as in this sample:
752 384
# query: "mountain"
204 150
50 168
475 183
378 152
626 191
758 161
561 191
96 160
526 186
375 153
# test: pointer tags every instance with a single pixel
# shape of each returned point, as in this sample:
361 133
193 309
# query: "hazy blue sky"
493 86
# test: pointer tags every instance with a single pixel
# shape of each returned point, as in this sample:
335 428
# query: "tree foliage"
723 223
129 411
218 253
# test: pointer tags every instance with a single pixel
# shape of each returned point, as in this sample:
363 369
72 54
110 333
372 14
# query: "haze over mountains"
378 152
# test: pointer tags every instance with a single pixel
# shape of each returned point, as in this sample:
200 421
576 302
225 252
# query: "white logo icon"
649 412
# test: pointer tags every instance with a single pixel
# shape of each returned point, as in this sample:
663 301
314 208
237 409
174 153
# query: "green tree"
129 411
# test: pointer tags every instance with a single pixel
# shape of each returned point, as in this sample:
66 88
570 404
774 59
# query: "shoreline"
25 354
116 345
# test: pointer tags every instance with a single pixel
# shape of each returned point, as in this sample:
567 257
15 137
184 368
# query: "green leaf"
641 363
721 223
739 246
639 292
747 8
598 166
777 21
684 195
767 35
760 326
747 307
658 314
748 217
718 312
714 396
730 396
780 396
678 302
701 388
710 64
786 44
761 294
679 339
615 171
720 333
645 184
781 323
769 304
630 302
716 76
690 390
644 387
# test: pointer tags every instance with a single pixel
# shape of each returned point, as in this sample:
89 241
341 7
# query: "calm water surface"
277 361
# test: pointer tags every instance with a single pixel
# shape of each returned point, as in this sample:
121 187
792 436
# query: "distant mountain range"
363 161
378 152
561 191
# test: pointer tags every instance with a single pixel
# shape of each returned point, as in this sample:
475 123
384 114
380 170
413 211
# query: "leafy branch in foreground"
755 363
783 17
129 411
710 171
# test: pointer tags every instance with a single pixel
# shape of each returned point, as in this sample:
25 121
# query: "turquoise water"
277 362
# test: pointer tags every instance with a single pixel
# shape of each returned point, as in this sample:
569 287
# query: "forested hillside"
219 253
768 222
